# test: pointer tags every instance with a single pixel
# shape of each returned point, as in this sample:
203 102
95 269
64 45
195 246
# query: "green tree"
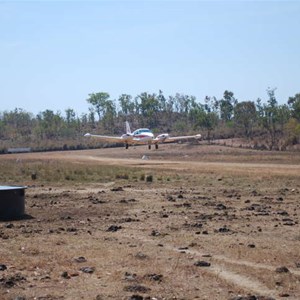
162 101
195 109
98 101
245 116
292 128
18 123
126 104
91 117
226 106
283 116
269 117
183 103
50 124
149 106
206 117
71 123
2 127
294 104
109 114
70 116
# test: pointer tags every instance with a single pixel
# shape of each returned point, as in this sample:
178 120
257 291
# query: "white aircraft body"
142 136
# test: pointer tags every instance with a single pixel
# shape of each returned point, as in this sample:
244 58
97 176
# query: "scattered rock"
97 201
114 228
255 193
183 248
65 275
282 213
117 189
141 256
202 263
10 225
170 198
3 267
288 222
130 276
11 280
19 298
136 288
282 270
66 218
88 270
126 201
252 297
206 255
221 206
197 225
224 229
136 297
71 229
80 259
129 220
155 277
155 233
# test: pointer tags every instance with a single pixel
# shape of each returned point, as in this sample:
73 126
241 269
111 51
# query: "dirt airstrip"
184 222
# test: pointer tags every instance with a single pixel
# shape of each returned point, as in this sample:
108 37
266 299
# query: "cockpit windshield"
142 130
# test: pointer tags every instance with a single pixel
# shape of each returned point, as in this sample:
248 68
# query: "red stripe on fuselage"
142 136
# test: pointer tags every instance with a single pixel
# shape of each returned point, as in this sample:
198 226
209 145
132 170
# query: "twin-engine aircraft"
142 136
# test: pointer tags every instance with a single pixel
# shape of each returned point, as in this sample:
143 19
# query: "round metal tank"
12 202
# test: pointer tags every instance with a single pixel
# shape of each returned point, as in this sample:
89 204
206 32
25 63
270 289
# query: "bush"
149 178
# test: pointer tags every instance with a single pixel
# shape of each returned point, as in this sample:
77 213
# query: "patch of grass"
149 178
13 172
122 176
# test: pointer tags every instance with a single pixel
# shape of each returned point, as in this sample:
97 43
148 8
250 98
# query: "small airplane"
142 136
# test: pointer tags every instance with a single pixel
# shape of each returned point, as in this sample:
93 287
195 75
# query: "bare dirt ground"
214 223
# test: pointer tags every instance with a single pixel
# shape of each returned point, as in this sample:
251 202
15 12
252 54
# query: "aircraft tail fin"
128 131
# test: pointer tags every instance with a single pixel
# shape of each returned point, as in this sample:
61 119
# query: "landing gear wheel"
156 146
149 147
126 146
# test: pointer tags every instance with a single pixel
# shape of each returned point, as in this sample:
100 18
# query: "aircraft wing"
166 138
108 139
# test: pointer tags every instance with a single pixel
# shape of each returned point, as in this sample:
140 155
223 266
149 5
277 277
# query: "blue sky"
54 53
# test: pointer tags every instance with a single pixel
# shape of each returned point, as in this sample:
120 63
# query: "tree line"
277 125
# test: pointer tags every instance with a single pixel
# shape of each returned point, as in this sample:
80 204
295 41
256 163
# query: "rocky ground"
203 222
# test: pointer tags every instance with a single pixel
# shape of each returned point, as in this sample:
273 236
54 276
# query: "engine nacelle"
127 136
163 136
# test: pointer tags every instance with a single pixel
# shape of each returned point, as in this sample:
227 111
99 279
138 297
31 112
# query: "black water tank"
12 202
